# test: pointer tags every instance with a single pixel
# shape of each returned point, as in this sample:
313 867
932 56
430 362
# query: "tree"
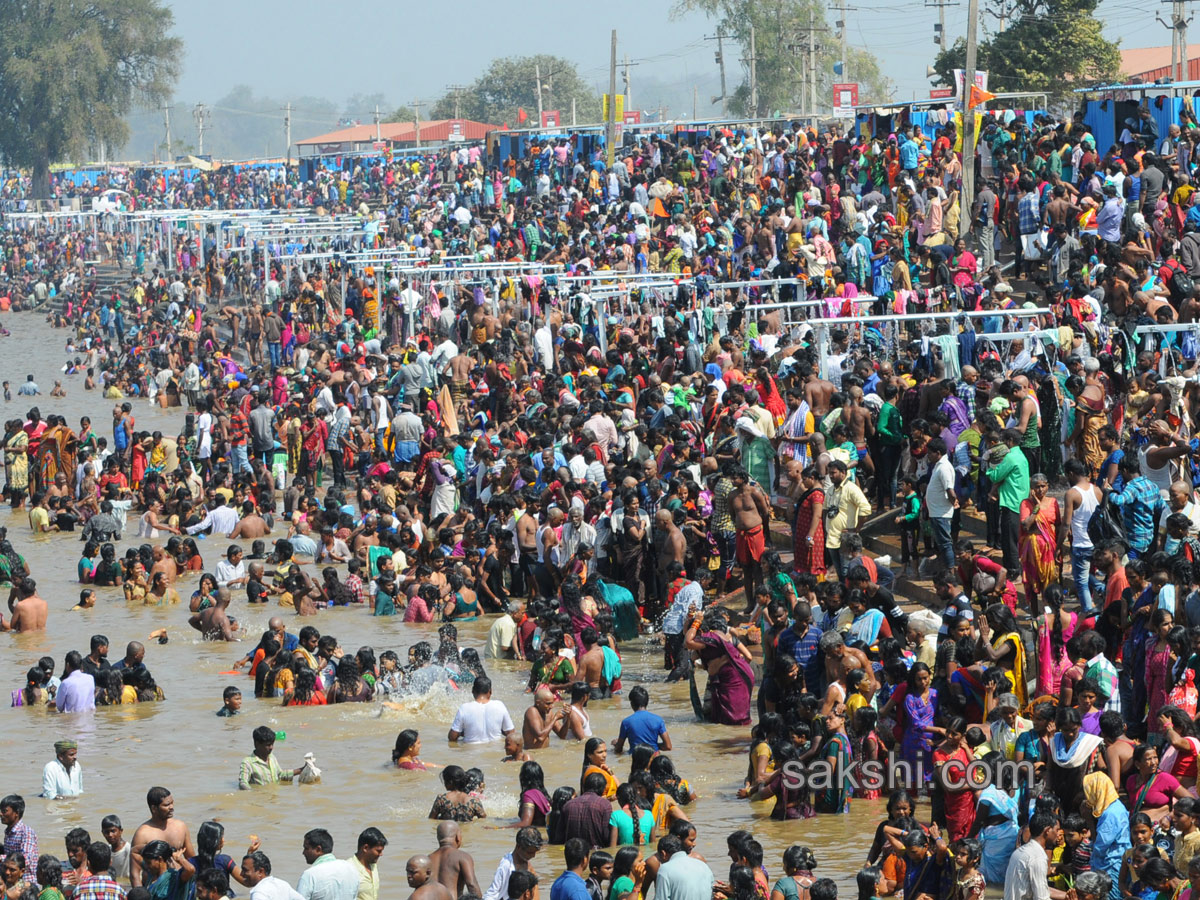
1051 46
71 70
401 114
781 41
510 83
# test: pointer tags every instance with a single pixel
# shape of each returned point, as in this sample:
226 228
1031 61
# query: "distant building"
1148 64
396 135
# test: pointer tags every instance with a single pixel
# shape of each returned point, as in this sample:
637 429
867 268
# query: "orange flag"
978 96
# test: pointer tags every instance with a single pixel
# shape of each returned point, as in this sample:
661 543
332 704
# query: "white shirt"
499 887
481 722
58 782
1025 877
222 519
543 341
329 878
227 572
272 888
941 479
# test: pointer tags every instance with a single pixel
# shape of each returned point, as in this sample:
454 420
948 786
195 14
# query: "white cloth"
499 886
941 479
329 878
58 782
272 888
479 723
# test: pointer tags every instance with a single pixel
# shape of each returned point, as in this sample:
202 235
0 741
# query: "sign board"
456 131
550 118
960 75
941 93
845 98
620 113
633 117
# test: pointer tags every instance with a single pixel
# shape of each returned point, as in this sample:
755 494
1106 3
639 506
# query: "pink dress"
1051 668
1158 673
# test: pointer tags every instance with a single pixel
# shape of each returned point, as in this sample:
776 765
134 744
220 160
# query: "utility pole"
537 74
812 58
753 77
573 123
968 118
610 124
376 123
939 32
628 93
842 35
200 116
456 90
1178 25
287 130
721 63
416 105
167 122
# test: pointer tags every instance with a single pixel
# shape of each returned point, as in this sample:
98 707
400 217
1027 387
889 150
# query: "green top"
890 427
621 886
261 771
1012 477
623 822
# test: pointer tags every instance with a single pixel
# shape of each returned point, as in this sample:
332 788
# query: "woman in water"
455 803
534 802
407 752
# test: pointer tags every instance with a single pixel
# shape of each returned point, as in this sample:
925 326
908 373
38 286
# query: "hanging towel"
966 348
948 344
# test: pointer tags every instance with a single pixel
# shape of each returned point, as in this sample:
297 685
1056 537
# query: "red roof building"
395 134
1148 64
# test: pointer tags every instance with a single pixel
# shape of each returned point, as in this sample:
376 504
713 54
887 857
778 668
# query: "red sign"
941 93
633 117
845 96
550 118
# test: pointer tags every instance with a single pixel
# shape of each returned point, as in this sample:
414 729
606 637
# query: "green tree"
400 114
781 40
71 70
1051 46
511 83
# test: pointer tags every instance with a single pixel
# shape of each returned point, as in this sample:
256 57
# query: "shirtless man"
540 720
214 623
459 370
817 393
861 426
751 512
673 546
161 826
420 878
526 531
451 865
251 525
591 665
29 613
165 563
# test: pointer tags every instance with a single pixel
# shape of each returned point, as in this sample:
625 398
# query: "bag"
1184 694
1105 524
1181 285
310 774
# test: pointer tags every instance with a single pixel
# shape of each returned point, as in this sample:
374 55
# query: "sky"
407 50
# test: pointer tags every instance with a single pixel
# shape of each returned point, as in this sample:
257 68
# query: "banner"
550 118
845 98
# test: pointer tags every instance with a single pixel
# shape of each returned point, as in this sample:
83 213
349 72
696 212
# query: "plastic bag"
310 774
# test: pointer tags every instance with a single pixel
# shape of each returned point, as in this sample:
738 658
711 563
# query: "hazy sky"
408 50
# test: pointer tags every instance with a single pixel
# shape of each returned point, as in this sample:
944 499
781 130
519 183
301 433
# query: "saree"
16 462
1037 547
1051 666
626 618
809 557
865 627
998 840
1016 675
56 453
731 686
836 797
1088 442
1070 763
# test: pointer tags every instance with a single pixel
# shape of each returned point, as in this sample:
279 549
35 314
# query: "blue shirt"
569 886
908 154
1139 503
642 727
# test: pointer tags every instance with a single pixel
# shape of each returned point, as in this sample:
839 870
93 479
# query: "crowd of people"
677 468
